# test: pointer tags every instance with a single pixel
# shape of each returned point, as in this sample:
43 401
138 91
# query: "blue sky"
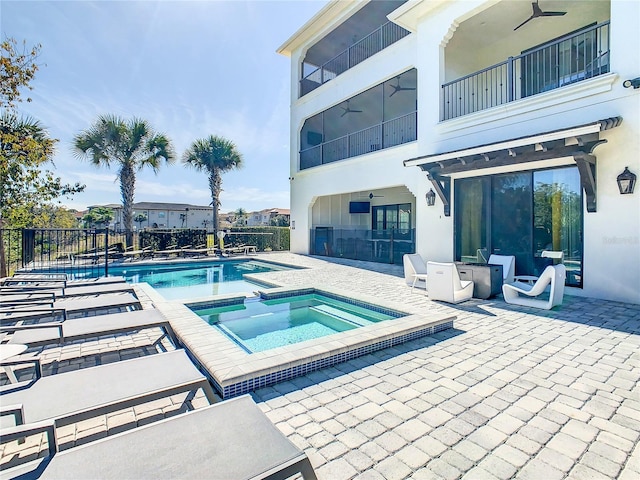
191 68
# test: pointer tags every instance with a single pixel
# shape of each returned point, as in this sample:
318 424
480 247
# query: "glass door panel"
471 218
557 219
511 218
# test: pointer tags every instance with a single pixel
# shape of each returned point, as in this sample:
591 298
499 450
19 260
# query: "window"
392 217
522 214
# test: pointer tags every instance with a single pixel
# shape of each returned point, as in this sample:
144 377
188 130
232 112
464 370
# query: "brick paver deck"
510 392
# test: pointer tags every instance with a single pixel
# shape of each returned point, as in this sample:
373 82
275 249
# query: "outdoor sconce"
626 181
635 83
431 198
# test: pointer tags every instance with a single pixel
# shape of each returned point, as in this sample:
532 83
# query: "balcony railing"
570 59
393 132
376 41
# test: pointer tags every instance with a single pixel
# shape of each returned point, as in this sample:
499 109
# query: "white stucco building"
519 123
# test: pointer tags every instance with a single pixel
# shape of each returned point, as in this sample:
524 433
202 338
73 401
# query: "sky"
190 68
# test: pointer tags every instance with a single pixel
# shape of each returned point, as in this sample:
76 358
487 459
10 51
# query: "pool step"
340 315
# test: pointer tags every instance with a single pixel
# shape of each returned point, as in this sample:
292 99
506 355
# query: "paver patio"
510 392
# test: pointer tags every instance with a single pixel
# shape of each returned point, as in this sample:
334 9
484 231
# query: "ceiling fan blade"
345 112
553 14
355 111
526 21
393 93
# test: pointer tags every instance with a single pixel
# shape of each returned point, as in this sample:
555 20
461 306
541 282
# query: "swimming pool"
262 325
190 280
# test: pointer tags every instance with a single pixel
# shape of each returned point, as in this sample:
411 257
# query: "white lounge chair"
233 439
443 283
531 279
508 263
519 293
415 270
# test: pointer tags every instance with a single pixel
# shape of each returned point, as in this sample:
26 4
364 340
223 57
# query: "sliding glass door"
521 214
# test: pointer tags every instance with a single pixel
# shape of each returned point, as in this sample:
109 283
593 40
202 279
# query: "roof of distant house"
157 206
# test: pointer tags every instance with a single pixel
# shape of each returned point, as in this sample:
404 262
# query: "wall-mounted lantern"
626 181
431 197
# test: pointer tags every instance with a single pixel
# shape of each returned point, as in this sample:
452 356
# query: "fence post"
510 80
106 252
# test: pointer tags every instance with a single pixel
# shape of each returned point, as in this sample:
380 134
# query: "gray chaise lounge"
89 327
70 307
77 395
230 440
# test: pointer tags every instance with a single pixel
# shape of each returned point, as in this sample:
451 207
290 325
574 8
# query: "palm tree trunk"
127 189
215 184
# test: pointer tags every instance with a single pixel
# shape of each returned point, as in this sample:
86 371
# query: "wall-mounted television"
359 207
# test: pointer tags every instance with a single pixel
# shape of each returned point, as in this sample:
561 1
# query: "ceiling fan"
348 109
537 12
397 88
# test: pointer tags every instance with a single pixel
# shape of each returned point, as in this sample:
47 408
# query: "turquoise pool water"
265 324
189 280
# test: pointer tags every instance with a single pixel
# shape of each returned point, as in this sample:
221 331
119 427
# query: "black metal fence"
78 252
387 246
88 252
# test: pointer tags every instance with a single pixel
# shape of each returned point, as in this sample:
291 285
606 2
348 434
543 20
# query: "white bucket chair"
508 263
415 270
443 283
519 293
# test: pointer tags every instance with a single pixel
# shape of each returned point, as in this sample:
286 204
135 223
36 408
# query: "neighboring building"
518 130
164 215
264 217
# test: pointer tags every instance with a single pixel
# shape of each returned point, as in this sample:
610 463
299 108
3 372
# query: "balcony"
387 134
570 59
374 42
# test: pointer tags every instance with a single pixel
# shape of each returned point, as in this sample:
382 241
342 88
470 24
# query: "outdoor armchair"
508 263
443 283
415 270
519 293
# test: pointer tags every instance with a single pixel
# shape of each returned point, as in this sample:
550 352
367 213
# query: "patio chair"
415 270
508 263
519 293
443 283
37 335
233 439
69 307
554 255
77 395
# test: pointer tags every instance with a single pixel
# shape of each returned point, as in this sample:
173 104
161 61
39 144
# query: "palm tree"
215 155
131 145
241 215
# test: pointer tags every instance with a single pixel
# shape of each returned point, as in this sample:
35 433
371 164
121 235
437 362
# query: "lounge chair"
415 270
519 293
15 292
89 327
58 279
77 395
443 283
70 307
172 250
132 254
553 255
229 440
508 263
200 250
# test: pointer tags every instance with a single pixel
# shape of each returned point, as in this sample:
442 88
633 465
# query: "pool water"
194 280
266 324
